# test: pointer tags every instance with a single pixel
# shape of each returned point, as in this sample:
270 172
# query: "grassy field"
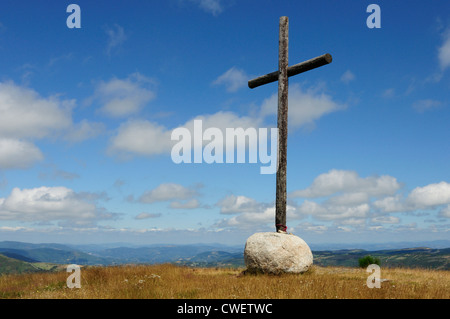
174 282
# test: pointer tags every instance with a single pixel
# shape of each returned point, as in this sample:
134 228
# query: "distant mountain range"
382 246
18 257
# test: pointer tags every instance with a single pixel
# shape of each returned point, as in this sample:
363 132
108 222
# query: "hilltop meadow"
168 281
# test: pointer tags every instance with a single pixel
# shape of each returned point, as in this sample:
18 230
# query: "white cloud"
25 114
124 97
305 107
426 105
237 204
147 216
390 204
214 7
349 199
420 198
385 220
59 174
233 79
430 195
3 182
313 228
341 181
116 37
15 153
168 192
84 130
250 213
189 204
141 137
250 219
48 204
327 211
254 218
445 212
388 93
352 199
55 60
444 52
347 77
223 120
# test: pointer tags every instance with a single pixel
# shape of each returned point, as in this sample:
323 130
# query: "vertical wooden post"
283 85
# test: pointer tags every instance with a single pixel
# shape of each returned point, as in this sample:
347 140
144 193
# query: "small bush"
364 262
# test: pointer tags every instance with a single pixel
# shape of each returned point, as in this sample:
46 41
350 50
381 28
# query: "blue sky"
86 117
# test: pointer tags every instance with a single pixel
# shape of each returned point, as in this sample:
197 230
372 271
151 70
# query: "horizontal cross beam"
292 70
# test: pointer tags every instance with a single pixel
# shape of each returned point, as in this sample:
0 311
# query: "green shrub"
364 262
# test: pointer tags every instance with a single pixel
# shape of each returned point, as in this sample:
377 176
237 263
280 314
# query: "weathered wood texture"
292 70
283 86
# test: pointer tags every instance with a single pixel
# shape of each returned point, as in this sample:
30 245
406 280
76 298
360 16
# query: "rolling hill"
421 257
15 266
49 253
17 257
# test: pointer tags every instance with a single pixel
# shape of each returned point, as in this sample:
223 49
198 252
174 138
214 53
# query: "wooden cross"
282 75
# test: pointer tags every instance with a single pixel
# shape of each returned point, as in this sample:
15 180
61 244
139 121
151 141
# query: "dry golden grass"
172 282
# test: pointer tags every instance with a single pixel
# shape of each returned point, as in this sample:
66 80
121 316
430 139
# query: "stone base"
277 253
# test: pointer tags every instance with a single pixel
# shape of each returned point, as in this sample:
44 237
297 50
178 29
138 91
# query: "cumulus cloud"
420 198
430 196
224 120
84 130
327 211
256 218
249 219
124 97
25 114
233 79
305 106
46 204
341 181
390 204
168 192
348 199
248 212
353 200
141 137
237 204
145 138
18 154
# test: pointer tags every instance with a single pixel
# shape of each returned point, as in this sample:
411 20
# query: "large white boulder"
277 253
